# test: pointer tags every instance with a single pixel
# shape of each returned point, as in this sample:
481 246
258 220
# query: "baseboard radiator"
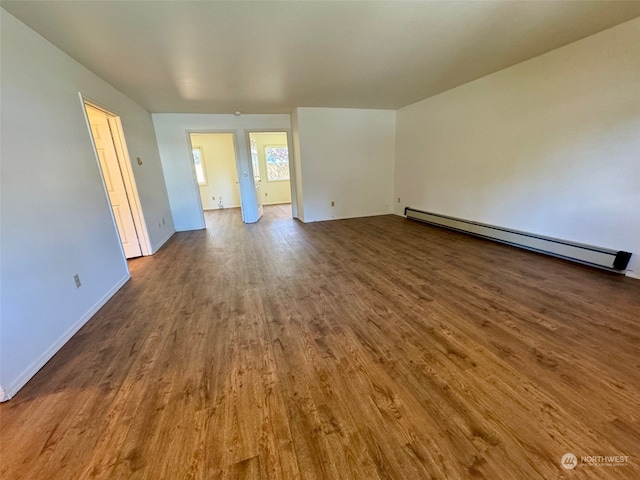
615 261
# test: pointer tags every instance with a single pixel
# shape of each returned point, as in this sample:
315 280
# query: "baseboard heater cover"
605 258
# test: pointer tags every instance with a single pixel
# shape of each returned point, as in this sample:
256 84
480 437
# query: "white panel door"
113 181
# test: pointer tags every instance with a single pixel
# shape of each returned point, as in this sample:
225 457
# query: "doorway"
108 141
271 167
215 167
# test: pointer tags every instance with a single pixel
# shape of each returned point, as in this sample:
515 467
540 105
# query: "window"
277 160
254 158
198 161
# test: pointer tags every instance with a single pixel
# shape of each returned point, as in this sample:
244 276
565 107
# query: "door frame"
292 169
126 170
237 162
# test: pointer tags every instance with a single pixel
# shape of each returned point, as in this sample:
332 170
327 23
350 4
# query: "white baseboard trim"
226 207
162 242
348 217
3 395
633 275
11 390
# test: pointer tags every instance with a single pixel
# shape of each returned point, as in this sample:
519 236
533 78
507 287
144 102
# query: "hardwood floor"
372 348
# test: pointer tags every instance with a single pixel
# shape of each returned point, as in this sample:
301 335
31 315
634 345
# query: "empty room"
319 239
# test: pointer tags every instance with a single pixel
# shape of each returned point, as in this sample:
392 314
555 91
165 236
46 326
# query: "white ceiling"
269 57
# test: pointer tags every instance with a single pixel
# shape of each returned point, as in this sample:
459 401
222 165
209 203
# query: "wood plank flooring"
372 348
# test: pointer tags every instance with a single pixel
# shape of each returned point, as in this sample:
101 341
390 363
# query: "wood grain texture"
372 348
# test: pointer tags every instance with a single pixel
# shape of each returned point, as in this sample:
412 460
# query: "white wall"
296 172
172 133
550 146
346 156
273 192
55 219
219 155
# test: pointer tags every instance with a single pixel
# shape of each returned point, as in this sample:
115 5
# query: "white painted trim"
349 217
277 203
226 207
4 396
161 243
29 372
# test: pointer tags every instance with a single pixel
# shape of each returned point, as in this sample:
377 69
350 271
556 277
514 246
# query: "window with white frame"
198 162
277 160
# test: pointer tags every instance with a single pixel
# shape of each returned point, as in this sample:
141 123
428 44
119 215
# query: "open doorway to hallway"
215 167
271 169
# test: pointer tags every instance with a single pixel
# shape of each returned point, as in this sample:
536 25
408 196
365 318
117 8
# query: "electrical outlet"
76 278
398 199
163 220
213 198
266 194
333 204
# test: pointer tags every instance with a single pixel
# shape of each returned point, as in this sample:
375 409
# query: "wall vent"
612 260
